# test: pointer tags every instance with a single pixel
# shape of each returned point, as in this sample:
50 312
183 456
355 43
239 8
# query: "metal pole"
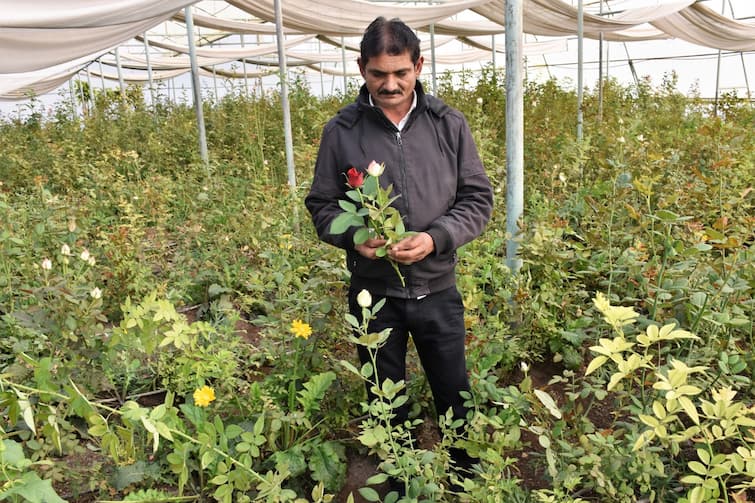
149 70
492 42
742 57
102 74
343 62
283 72
195 86
747 83
246 81
260 84
514 131
322 78
718 68
432 55
120 73
215 83
580 63
82 96
600 71
71 90
89 85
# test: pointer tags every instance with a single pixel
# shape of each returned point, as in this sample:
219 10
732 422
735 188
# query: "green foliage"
193 273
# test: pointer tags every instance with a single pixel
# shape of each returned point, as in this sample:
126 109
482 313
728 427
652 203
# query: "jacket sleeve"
328 187
473 204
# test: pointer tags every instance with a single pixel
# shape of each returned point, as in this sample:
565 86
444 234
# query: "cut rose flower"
355 178
375 169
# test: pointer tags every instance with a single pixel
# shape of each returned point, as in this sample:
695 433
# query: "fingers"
412 249
369 248
406 252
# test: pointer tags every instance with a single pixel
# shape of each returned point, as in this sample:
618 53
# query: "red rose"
356 178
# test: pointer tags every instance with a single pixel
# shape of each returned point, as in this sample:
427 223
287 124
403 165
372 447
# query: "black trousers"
436 324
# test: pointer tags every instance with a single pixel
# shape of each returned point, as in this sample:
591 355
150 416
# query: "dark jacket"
432 163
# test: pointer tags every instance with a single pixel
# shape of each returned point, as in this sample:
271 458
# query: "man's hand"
412 249
368 248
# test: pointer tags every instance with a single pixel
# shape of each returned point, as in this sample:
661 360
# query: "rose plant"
371 212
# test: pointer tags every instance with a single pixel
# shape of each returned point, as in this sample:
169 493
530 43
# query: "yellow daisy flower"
203 396
301 329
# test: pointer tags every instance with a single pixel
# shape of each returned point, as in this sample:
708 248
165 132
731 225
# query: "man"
445 196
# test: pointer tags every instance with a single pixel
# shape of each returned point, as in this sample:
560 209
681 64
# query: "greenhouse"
183 319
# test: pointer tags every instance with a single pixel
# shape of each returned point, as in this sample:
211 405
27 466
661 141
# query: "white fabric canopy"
225 54
40 34
349 17
700 25
231 26
16 86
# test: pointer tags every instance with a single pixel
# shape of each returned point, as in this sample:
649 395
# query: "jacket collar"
350 115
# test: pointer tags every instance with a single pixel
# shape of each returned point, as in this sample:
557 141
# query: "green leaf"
352 320
28 414
367 371
667 216
350 367
343 222
689 408
595 364
697 467
376 479
361 235
314 390
259 425
353 195
548 402
135 473
33 489
292 460
218 480
207 459
12 453
369 494
327 464
347 206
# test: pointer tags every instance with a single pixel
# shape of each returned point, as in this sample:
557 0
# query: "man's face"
390 80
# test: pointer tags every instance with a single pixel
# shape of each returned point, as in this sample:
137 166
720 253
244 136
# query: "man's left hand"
412 249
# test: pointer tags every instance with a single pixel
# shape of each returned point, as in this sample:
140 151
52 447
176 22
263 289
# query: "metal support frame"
283 73
580 67
195 85
120 73
149 70
514 131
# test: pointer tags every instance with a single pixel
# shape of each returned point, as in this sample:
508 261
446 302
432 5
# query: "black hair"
391 37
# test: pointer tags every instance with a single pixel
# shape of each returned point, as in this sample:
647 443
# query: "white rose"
375 169
364 299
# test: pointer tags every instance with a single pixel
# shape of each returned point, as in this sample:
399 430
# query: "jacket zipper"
400 143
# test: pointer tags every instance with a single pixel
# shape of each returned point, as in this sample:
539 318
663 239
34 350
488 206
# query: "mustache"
389 93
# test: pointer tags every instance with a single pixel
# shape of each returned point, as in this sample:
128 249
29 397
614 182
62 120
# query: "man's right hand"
368 248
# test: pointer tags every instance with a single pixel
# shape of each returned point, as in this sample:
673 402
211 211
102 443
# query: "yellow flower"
203 396
301 329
